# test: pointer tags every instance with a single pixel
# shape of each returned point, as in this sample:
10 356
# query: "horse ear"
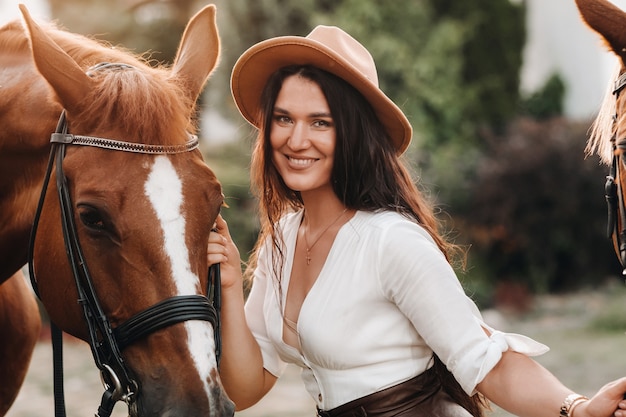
198 52
608 20
68 80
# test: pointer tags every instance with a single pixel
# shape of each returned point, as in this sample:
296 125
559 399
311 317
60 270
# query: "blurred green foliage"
546 102
537 213
515 189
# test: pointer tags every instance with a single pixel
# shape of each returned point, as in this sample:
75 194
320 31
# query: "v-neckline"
293 245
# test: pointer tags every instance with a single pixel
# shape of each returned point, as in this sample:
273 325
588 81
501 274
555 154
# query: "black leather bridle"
106 342
616 225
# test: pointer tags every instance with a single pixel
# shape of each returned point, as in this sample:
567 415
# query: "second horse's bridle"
106 342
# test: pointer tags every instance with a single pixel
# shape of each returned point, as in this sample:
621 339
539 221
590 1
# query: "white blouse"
385 299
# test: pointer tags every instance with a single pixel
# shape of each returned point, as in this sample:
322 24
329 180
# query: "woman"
351 278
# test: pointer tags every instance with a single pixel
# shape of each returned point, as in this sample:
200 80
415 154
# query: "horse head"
608 133
137 205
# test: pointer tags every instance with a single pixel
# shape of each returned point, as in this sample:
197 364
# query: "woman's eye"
91 218
282 119
321 123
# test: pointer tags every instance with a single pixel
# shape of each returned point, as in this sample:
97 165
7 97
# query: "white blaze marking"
164 189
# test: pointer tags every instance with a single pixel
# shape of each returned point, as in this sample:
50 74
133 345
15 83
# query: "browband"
117 145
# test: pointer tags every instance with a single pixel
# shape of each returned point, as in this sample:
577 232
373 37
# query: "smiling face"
303 136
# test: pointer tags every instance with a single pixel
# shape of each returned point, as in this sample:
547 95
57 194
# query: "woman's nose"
299 139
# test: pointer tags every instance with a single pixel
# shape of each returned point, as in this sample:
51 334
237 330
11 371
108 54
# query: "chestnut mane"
602 128
143 101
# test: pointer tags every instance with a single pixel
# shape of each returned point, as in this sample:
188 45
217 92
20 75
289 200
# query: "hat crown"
347 48
330 49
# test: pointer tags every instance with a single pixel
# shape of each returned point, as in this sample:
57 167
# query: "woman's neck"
318 208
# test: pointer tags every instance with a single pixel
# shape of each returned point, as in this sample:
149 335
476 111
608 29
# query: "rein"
616 230
107 343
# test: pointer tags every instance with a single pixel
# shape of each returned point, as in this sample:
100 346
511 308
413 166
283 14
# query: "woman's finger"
216 250
220 225
215 237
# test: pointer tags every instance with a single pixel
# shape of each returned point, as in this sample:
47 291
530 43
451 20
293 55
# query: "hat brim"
257 64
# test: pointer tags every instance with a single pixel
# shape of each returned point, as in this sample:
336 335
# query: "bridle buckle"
111 382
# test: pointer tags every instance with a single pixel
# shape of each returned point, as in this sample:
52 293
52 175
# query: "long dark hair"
368 175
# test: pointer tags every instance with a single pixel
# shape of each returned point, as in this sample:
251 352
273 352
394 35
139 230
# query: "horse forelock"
12 38
142 103
145 103
603 127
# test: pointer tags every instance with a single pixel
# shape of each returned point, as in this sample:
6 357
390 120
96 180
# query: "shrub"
536 213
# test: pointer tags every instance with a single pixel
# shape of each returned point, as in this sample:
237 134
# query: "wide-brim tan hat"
328 48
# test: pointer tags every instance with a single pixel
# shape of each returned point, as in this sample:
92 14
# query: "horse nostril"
223 406
229 408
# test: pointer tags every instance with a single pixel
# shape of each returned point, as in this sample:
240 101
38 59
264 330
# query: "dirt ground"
583 358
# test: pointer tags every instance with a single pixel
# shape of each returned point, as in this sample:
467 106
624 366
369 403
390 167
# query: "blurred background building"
557 42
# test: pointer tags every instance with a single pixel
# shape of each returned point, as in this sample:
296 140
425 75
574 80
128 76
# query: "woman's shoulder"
384 219
390 224
368 219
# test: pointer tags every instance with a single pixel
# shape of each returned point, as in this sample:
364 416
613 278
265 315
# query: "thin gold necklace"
306 240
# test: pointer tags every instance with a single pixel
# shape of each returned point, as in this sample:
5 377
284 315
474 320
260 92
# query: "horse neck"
27 117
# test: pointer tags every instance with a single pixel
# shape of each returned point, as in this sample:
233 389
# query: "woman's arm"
523 387
241 367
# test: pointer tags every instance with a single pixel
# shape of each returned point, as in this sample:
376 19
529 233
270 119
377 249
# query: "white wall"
9 10
559 41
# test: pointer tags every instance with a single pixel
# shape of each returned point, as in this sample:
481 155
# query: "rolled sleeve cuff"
483 358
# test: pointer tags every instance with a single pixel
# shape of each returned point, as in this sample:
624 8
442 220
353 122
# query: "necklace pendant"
306 240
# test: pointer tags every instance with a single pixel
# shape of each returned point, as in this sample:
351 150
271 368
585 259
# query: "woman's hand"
241 369
222 250
607 402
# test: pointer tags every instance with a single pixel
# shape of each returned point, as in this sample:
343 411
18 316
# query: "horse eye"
91 218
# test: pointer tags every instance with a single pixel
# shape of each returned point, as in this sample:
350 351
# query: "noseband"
616 230
106 342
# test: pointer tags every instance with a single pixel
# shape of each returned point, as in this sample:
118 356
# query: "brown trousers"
421 396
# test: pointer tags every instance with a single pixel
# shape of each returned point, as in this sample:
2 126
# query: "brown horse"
19 332
135 198
608 133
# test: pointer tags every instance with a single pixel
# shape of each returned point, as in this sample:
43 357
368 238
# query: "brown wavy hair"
367 175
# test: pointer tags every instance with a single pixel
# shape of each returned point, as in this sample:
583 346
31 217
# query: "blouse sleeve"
416 276
261 295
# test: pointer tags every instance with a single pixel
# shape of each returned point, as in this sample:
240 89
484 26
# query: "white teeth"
301 162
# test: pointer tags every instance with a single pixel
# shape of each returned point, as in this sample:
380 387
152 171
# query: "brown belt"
419 396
